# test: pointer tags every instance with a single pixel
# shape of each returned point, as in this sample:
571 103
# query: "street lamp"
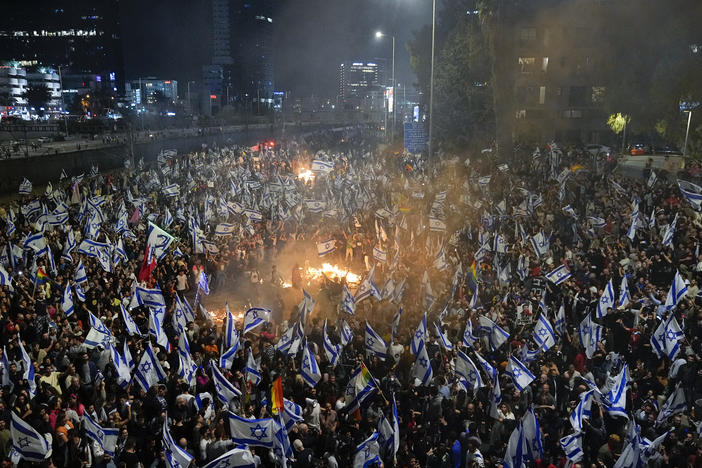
379 35
687 132
431 77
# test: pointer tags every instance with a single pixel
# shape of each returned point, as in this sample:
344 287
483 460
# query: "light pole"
394 101
431 77
687 132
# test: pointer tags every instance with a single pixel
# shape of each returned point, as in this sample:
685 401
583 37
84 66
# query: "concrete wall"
42 169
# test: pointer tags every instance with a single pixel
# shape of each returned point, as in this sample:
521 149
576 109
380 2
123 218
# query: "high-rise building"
361 82
82 36
145 91
241 69
15 81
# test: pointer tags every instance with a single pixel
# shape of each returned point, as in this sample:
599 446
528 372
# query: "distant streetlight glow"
378 34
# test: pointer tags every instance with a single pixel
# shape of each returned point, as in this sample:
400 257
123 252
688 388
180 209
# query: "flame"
333 272
306 175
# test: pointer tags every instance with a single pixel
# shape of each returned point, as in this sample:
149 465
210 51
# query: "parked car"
639 149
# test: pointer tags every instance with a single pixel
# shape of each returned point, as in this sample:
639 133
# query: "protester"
543 312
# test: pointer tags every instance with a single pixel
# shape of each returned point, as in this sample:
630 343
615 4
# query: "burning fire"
333 272
305 175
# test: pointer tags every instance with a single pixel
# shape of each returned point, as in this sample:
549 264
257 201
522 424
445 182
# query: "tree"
37 96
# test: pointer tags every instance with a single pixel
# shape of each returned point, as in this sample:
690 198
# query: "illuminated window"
526 64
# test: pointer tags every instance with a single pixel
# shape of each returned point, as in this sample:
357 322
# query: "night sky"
170 38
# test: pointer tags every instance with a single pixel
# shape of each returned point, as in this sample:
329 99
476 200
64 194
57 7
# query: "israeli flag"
252 370
367 453
670 232
597 222
468 371
255 317
80 276
532 436
436 225
443 338
27 442
167 218
176 457
624 295
606 300
589 334
129 322
150 297
79 292
224 229
286 343
255 432
106 438
692 193
326 247
421 370
419 336
331 349
666 340
496 335
521 376
652 178
37 243
559 275
673 405
541 244
27 368
309 368
348 304
149 371
582 410
543 334
66 300
380 255
560 324
231 335
156 318
375 345
395 325
124 373
238 457
25 187
346 333
678 290
171 190
158 241
514 454
572 445
617 395
99 250
226 391
322 166
469 338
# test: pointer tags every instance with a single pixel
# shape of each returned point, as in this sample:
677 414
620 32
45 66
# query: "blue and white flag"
469 338
226 391
368 452
395 325
419 336
290 342
692 193
514 454
560 324
326 247
25 187
129 322
543 333
239 457
374 344
27 442
309 369
105 437
532 436
365 289
167 218
346 333
231 335
322 166
496 335
99 250
252 369
37 243
582 410
443 338
572 446
158 241
149 371
380 255
670 232
255 317
666 339
150 297
521 376
187 368
224 229
673 405
616 397
124 372
80 276
421 370
541 244
176 456
27 368
468 371
66 300
558 275
348 304
331 349
606 300
624 295
256 432
678 290
597 222
171 190
589 334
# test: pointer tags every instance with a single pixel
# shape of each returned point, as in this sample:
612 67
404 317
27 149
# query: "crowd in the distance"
466 244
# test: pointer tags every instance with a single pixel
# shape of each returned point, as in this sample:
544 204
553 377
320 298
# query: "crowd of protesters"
427 233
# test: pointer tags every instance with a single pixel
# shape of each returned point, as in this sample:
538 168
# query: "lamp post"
431 77
687 132
394 101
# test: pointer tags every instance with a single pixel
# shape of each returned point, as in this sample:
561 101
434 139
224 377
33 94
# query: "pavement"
633 166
